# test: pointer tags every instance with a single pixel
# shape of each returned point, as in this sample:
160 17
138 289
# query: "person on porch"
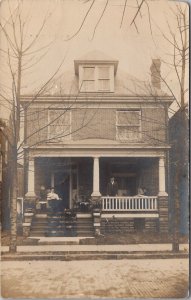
51 195
142 191
43 193
52 198
42 201
112 187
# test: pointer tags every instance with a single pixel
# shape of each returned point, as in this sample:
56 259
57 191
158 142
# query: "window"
128 125
96 79
103 79
88 79
59 121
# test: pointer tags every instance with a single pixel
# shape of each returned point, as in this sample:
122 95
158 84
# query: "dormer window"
103 79
96 79
88 82
96 72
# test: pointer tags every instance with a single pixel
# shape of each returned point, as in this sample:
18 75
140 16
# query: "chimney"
155 73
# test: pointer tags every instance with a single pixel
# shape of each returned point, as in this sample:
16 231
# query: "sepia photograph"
94 149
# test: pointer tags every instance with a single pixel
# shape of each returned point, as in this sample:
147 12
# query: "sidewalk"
98 248
93 252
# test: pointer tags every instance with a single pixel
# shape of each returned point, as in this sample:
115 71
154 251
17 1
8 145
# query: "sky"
71 36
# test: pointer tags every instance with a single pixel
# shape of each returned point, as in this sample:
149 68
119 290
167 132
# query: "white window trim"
125 125
96 78
65 138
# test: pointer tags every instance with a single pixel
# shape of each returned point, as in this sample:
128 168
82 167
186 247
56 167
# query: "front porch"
81 184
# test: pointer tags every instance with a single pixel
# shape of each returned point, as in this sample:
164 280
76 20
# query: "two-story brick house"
102 123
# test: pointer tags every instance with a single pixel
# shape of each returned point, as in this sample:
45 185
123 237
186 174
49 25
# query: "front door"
62 187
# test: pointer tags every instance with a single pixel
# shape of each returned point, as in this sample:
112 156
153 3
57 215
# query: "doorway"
126 184
62 187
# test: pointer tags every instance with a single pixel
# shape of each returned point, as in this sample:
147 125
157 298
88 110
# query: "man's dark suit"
112 189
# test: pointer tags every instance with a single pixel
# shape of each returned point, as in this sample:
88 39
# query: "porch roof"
99 147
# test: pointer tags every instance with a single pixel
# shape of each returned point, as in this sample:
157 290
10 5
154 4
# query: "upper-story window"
59 125
103 79
88 83
96 79
128 125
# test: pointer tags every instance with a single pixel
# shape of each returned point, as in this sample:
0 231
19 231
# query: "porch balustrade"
129 203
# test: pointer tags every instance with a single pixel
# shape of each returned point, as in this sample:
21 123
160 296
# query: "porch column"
31 184
162 188
96 192
162 199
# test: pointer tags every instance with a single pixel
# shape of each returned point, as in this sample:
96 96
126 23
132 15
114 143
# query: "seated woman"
51 195
52 198
142 191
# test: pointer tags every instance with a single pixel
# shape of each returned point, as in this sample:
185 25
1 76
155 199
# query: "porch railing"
129 203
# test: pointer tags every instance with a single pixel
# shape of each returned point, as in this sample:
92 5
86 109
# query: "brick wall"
127 225
37 120
153 125
117 225
97 123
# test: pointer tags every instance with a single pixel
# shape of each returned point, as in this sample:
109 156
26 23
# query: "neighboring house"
178 169
4 176
100 123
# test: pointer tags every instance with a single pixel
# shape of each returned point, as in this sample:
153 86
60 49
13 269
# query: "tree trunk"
175 243
13 218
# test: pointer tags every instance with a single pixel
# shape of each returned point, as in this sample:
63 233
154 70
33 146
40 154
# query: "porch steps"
85 225
58 225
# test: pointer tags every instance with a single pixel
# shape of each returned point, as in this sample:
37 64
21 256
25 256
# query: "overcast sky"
134 48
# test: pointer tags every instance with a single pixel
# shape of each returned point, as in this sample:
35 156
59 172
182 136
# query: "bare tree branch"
85 17
123 13
101 16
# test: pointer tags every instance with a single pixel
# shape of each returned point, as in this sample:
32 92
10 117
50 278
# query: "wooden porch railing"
129 203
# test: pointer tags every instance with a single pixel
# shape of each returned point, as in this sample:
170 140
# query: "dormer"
96 73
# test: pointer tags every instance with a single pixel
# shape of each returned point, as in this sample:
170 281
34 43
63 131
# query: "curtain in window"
128 133
128 125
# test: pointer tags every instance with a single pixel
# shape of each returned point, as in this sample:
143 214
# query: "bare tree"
21 54
179 43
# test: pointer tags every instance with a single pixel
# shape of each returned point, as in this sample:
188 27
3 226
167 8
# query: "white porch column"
31 182
96 192
162 188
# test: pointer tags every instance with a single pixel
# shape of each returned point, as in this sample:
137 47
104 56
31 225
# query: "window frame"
97 79
63 138
138 139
